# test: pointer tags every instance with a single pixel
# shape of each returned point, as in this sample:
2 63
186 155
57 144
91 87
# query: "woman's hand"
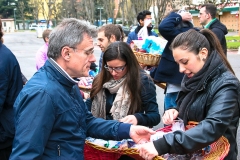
129 119
169 116
147 151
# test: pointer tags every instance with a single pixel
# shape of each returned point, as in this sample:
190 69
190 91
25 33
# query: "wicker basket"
95 152
218 149
148 59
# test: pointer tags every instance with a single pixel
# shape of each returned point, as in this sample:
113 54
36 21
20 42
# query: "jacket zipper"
59 151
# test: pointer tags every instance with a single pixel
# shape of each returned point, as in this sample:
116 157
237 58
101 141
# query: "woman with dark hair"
122 90
209 95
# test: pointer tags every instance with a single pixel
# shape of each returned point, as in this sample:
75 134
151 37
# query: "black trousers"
5 153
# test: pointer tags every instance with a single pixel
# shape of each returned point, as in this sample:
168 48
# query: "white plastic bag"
143 32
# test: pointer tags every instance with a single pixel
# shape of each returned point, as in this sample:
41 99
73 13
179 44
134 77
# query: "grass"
233 42
229 38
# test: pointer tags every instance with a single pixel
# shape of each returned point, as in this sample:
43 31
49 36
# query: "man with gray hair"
51 118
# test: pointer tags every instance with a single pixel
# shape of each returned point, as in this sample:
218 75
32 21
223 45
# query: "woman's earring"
204 59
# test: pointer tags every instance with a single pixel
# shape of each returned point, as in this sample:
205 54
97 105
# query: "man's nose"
98 44
92 58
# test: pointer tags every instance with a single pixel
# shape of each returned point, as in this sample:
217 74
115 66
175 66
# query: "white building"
8 25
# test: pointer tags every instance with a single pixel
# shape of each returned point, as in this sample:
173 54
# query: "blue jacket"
10 85
133 35
168 70
52 120
149 115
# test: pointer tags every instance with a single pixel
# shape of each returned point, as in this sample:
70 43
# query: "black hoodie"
220 31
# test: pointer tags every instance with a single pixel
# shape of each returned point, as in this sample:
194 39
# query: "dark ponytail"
216 45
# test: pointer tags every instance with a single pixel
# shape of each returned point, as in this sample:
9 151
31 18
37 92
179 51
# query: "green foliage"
7 7
233 42
156 31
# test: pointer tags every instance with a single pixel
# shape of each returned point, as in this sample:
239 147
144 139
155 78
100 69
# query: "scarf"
121 103
190 86
211 22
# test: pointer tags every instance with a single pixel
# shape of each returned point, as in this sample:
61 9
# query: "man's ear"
65 52
141 22
113 38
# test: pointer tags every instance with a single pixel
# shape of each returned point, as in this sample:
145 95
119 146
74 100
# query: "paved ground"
25 44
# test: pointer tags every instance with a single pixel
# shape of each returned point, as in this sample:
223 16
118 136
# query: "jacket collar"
59 74
216 72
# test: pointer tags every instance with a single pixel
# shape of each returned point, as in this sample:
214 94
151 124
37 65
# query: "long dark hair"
193 41
122 51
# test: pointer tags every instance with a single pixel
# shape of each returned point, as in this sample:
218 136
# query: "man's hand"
129 119
169 116
186 16
140 134
147 151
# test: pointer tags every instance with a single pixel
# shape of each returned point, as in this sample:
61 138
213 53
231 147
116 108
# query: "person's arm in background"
41 56
132 36
167 28
151 116
4 83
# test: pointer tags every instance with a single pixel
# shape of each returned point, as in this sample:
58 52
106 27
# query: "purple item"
41 56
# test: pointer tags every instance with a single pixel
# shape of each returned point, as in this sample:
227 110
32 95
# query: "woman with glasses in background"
122 90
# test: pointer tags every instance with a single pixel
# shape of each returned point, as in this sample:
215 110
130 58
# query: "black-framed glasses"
116 69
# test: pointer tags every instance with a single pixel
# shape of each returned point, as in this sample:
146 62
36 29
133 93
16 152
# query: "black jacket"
220 31
10 85
216 108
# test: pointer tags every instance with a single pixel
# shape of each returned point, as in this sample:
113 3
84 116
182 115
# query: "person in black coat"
167 71
10 85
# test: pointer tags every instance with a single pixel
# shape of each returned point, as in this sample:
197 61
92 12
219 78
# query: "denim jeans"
170 100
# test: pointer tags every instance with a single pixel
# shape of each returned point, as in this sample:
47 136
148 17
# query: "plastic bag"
143 32
154 45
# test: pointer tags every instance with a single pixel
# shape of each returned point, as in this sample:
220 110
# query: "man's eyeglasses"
116 69
87 52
